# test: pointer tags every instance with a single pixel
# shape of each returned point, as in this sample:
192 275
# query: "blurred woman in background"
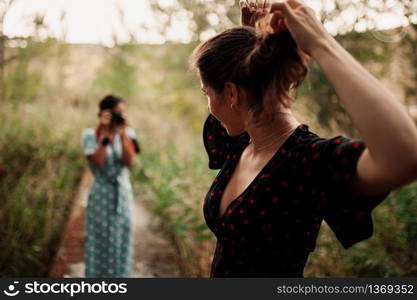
278 180
110 150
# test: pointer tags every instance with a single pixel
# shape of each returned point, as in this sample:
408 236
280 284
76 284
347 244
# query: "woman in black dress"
278 180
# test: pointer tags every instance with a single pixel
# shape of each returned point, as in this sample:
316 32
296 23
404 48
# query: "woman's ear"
232 93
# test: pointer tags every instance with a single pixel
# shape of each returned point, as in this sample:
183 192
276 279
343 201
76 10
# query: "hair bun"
275 60
270 51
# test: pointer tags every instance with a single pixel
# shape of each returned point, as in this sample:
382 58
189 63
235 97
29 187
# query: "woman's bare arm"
99 157
390 159
128 155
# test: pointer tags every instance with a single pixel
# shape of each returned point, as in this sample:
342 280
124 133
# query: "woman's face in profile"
220 108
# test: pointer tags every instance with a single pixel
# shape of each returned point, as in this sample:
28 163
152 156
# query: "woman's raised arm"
390 159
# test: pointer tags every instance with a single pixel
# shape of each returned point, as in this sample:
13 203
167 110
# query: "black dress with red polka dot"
272 226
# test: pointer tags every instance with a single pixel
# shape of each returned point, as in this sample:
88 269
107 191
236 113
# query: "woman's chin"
232 132
226 128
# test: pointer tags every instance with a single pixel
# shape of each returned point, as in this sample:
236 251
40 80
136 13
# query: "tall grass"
172 178
40 170
175 197
390 252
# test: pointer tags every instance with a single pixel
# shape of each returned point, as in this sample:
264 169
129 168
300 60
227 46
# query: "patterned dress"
272 226
109 248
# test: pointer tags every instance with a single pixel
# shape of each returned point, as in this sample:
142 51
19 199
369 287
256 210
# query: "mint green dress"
109 248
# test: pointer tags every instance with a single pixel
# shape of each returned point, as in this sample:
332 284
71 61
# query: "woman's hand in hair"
301 21
251 12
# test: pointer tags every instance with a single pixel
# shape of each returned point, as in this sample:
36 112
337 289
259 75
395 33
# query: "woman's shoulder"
309 151
131 132
328 157
308 139
88 132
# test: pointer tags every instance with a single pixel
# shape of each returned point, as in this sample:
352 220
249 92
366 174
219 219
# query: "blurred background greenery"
49 89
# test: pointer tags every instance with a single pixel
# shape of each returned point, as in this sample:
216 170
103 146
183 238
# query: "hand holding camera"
112 119
111 122
118 121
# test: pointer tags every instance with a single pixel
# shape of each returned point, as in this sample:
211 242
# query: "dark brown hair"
267 65
110 102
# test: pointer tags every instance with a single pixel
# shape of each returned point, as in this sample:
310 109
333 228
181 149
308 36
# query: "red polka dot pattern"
270 229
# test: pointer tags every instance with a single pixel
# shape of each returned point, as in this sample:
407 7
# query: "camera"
117 118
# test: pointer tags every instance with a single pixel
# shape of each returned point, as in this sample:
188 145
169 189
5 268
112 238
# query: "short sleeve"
89 141
348 215
132 135
218 143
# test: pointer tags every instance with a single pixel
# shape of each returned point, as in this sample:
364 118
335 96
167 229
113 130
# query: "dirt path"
154 255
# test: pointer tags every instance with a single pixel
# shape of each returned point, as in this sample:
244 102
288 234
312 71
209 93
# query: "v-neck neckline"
233 166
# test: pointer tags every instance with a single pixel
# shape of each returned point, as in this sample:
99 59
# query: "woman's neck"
269 135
